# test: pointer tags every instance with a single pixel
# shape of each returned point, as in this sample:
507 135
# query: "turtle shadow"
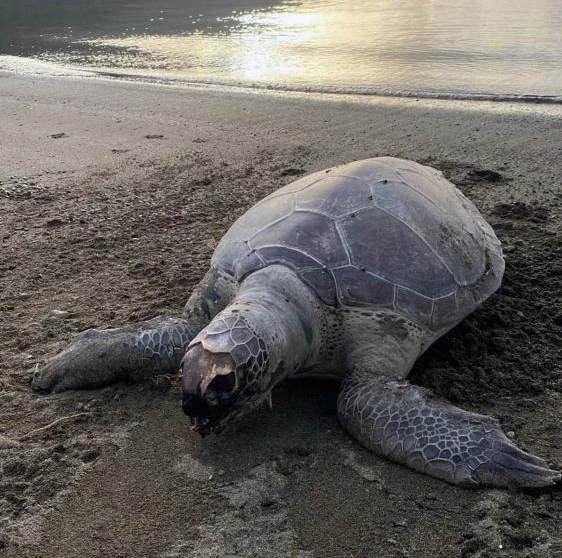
301 408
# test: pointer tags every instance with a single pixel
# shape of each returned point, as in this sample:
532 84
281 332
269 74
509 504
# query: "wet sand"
112 198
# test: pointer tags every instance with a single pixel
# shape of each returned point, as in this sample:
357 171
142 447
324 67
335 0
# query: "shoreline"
114 195
36 67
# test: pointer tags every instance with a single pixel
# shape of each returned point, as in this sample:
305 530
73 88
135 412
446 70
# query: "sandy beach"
113 196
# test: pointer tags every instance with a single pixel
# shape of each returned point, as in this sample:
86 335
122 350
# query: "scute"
414 305
361 288
261 216
323 283
247 263
292 257
383 232
335 196
436 226
445 311
383 245
370 170
311 233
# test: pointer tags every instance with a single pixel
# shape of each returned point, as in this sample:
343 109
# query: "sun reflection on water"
472 46
256 45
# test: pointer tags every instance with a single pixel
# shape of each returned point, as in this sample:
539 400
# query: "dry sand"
112 198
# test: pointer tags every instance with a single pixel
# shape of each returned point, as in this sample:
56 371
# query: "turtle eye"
224 384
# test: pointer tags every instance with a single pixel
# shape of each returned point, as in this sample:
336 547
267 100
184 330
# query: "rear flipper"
96 358
410 425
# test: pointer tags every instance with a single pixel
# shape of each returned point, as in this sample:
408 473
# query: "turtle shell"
381 233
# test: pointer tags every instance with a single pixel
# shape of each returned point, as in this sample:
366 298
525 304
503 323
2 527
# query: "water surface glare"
444 47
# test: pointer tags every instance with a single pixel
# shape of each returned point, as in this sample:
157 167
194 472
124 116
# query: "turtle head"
225 374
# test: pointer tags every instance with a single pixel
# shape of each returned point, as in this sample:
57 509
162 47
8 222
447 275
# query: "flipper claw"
510 466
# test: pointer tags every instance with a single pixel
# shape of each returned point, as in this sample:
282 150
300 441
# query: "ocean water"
504 49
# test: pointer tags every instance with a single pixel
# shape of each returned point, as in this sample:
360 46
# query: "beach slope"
113 196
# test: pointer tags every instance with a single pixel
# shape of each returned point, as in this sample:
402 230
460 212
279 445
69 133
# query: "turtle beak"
198 410
209 388
208 403
201 426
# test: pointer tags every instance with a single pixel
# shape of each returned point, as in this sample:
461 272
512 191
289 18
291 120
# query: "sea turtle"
350 272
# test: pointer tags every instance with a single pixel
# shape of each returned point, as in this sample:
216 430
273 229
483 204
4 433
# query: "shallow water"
435 47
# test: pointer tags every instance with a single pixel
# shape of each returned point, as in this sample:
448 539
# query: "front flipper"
96 358
410 425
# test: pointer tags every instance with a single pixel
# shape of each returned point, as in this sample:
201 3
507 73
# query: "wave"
33 66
